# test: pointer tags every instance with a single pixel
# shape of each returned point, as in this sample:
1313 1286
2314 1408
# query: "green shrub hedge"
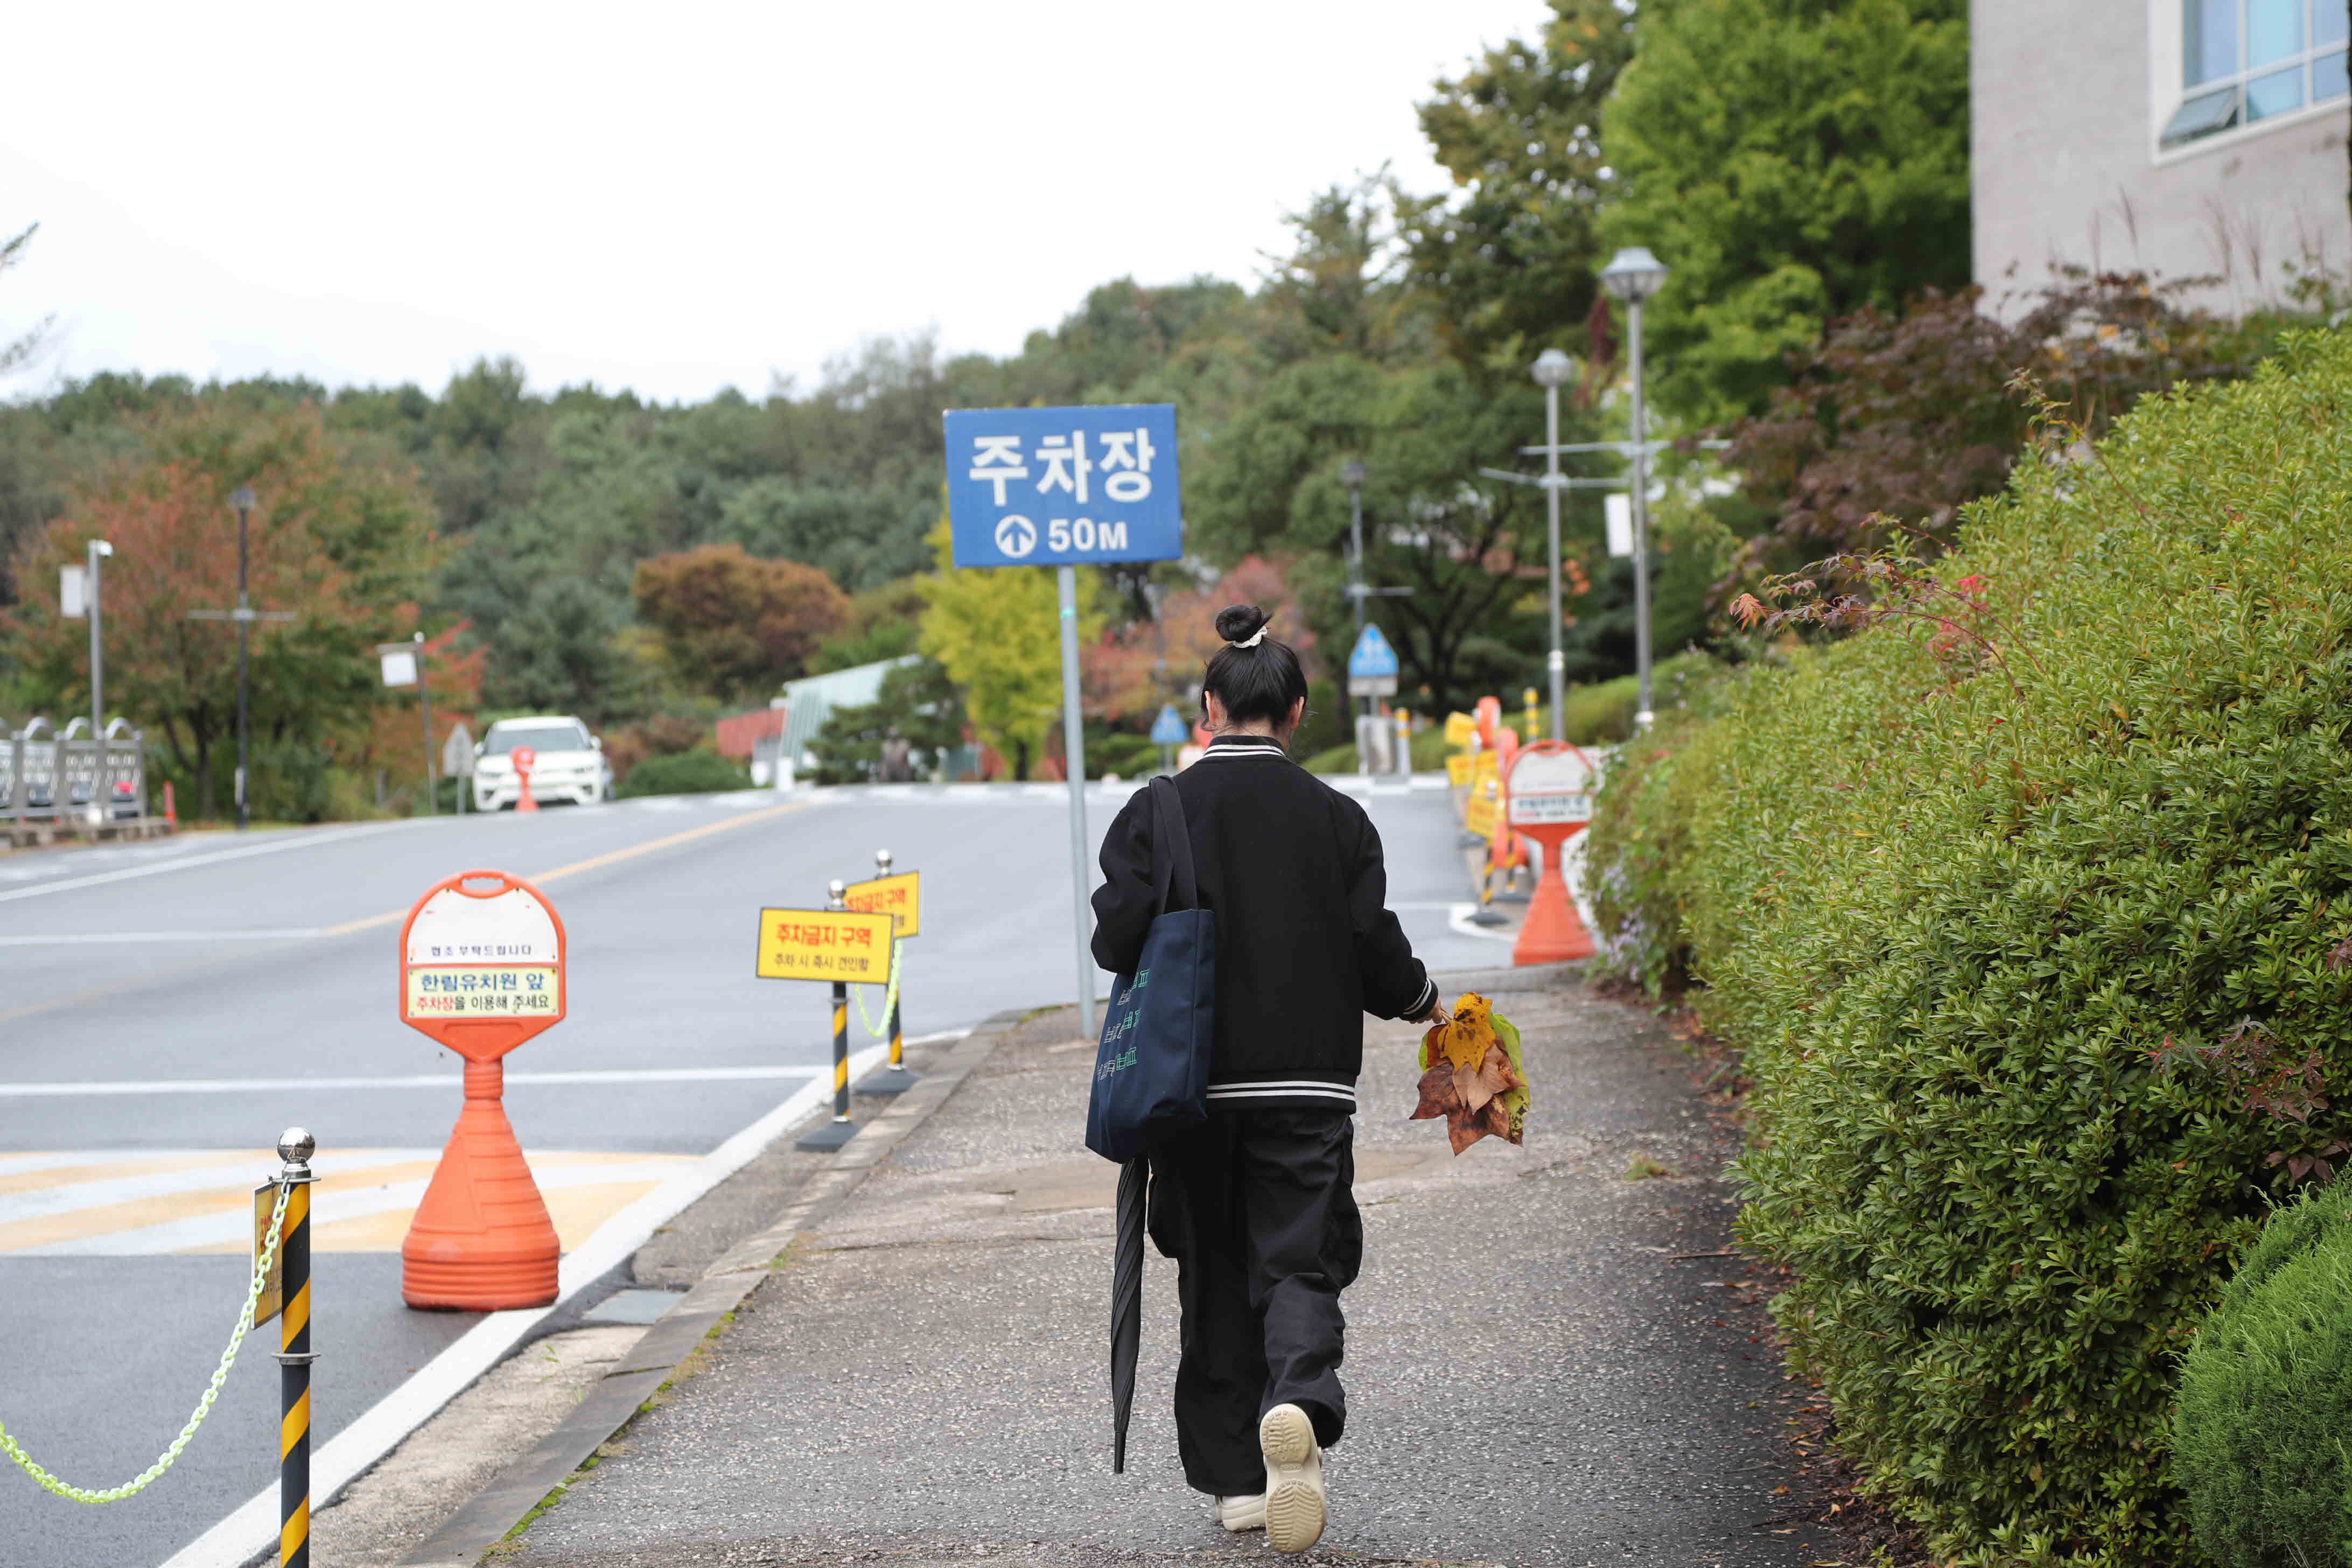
697 772
2260 1444
2028 953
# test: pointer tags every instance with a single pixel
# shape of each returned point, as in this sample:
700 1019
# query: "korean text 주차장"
1065 464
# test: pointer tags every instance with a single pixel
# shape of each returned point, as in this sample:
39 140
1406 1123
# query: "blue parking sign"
1064 487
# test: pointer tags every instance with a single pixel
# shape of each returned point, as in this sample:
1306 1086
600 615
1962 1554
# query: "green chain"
889 997
204 1405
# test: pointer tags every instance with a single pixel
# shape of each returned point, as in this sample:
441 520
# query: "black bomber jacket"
1306 942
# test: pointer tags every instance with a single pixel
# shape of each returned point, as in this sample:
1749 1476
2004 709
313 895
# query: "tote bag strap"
1173 882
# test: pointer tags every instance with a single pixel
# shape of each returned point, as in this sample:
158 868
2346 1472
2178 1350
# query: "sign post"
838 944
1549 795
1066 488
900 896
1371 674
403 664
481 970
1168 732
457 763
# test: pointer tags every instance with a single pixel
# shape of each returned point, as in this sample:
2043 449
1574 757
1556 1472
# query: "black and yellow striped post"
894 1079
833 1134
294 1359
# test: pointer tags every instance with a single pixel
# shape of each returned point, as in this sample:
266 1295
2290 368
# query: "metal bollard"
840 1130
295 1147
894 1079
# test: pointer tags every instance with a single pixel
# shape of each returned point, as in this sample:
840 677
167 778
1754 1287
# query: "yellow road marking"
595 862
394 917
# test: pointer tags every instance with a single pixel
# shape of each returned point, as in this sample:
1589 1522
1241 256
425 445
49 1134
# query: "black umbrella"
1126 1306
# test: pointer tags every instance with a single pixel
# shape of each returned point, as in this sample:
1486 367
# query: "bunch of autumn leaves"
1473 1075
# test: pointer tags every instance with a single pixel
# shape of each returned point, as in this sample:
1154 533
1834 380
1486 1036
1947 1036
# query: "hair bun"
1237 622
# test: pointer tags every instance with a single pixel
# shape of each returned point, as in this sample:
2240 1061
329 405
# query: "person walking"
1256 1203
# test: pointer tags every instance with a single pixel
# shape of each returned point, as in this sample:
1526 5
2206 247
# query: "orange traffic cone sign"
1549 798
481 970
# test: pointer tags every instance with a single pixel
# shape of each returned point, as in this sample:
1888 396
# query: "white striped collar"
1243 746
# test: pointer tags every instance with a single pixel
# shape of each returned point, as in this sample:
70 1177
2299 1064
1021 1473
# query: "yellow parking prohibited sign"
1457 770
272 1300
1460 728
1482 765
1481 815
900 894
825 945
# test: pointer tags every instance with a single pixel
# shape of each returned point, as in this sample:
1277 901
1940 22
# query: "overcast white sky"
671 197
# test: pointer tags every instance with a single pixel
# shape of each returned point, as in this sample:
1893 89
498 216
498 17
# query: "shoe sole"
1294 1479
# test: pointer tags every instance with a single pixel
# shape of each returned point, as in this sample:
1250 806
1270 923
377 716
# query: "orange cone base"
482 1240
1554 932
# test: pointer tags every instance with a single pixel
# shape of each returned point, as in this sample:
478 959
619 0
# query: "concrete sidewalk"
1549 1360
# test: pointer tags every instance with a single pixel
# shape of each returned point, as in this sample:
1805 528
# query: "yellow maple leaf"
1463 1038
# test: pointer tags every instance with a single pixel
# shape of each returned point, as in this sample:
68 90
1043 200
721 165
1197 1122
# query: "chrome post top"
295 1146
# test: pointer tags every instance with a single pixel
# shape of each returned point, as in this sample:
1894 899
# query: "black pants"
1257 1208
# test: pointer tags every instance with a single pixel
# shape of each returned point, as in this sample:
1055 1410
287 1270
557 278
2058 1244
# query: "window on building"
2245 61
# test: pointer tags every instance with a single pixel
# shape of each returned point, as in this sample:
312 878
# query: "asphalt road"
164 1007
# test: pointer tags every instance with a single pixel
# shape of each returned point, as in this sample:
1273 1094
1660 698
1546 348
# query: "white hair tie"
1257 637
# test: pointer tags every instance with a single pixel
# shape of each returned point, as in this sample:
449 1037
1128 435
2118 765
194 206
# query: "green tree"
997 631
1469 549
885 622
1508 256
1790 161
341 545
919 701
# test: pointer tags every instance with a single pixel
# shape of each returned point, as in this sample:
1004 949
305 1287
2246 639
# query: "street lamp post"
99 799
1633 275
242 499
1551 371
1352 474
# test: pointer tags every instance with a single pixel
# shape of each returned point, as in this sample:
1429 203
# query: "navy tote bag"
1151 1071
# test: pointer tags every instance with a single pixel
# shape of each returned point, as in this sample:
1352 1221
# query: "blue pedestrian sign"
1064 487
1168 729
1372 657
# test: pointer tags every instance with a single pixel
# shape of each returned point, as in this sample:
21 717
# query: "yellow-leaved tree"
997 631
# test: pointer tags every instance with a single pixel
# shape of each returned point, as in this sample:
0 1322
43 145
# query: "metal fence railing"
73 777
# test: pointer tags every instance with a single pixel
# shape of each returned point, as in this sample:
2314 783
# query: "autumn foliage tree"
338 541
1896 420
732 623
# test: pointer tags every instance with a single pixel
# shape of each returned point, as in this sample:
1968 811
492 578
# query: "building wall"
2067 99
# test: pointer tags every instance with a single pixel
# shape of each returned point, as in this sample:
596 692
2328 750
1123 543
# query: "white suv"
571 763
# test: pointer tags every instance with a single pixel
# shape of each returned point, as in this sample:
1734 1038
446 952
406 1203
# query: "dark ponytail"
1263 681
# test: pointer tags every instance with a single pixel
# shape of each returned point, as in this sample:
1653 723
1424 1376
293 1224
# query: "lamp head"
1634 274
100 547
242 498
1552 368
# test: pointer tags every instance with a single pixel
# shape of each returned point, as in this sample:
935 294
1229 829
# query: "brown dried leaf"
1463 1129
1437 1094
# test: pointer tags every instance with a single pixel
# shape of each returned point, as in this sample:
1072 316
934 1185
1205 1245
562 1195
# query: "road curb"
493 1513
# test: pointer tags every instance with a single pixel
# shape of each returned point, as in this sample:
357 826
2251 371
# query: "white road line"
349 1454
411 1080
181 863
79 938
